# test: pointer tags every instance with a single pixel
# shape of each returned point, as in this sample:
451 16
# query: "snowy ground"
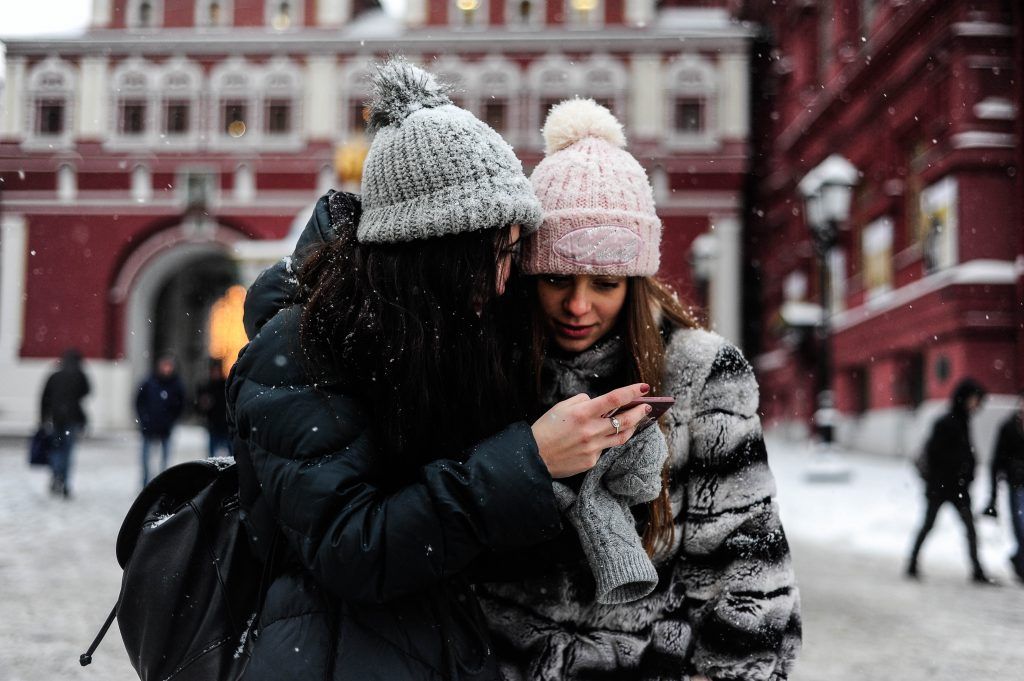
59 578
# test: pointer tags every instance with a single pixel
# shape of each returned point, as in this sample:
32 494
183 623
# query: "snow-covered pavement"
59 578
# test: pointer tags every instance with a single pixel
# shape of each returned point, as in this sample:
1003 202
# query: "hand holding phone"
659 405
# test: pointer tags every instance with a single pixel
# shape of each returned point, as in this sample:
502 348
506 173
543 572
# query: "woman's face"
581 309
505 259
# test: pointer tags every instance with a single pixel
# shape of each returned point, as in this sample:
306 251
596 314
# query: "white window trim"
192 93
353 85
147 94
247 92
293 93
213 190
461 76
573 22
270 12
202 14
132 15
510 91
36 92
538 90
618 88
481 18
537 19
706 89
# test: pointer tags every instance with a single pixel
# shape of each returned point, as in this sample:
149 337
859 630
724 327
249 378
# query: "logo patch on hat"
599 246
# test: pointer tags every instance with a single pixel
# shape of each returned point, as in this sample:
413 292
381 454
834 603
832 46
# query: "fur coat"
726 604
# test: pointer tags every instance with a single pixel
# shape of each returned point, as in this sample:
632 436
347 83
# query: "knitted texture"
599 215
434 169
624 476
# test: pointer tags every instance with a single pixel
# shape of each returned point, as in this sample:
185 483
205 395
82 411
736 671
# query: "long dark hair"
412 329
650 305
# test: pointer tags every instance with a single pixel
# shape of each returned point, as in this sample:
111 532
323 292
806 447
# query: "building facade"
925 284
173 149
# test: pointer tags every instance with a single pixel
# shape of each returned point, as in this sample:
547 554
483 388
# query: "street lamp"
827 191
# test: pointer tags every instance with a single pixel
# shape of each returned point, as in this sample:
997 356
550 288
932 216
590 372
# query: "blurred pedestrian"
211 403
1008 464
948 471
158 405
61 410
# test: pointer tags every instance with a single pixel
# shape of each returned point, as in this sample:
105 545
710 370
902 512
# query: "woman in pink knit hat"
682 570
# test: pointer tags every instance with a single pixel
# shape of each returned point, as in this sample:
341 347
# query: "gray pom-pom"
399 88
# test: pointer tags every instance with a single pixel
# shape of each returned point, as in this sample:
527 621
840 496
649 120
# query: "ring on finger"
616 424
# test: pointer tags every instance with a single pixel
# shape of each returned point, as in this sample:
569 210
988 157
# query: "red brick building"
168 152
924 98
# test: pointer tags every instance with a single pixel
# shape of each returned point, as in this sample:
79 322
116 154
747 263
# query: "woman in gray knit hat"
685 569
382 455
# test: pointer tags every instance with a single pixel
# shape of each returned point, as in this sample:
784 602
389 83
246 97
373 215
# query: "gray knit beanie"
433 168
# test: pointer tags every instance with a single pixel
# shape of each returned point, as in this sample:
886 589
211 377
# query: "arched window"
235 97
132 102
354 88
551 79
604 80
51 89
282 15
498 86
145 14
214 13
691 102
468 13
459 76
179 85
525 13
280 89
584 13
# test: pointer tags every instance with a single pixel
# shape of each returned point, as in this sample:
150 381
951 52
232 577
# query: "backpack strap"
86 658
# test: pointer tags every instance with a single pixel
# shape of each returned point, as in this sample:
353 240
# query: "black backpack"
192 589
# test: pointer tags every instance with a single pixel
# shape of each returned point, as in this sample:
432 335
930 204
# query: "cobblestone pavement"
59 579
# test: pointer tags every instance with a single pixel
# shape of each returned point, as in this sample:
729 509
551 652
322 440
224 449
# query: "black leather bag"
192 589
39 446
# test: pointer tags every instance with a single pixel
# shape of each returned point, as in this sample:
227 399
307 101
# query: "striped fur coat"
726 605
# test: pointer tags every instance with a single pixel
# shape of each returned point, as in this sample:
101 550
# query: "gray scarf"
568 376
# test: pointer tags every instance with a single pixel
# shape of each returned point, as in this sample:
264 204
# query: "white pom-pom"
576 119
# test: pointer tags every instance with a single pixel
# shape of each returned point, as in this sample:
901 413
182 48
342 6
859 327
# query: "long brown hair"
650 304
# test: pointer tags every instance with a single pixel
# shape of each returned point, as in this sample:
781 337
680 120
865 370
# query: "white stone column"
332 13
415 12
725 291
639 12
101 13
13 119
13 254
91 112
646 96
321 108
734 94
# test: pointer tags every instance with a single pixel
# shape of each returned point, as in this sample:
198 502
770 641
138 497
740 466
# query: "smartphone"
659 405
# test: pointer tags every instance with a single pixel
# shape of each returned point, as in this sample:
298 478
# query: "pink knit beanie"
599 215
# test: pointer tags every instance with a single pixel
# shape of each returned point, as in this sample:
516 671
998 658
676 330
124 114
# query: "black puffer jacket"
373 583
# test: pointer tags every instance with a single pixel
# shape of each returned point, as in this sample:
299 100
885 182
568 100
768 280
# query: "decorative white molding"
646 97
692 76
14 121
55 80
980 139
991 272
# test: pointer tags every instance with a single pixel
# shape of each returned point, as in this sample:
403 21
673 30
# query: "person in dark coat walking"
61 409
211 403
383 462
949 471
158 405
1008 464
